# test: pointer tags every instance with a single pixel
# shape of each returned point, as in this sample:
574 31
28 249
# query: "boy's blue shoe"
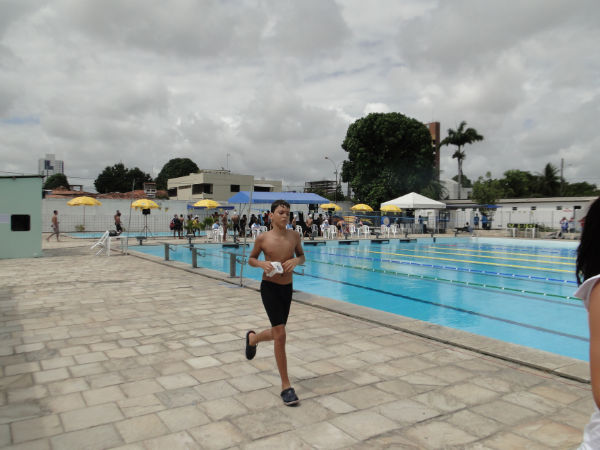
250 349
289 397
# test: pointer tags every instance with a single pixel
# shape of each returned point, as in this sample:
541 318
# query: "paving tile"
177 381
469 393
435 435
48 376
280 441
363 397
179 397
68 386
62 403
140 388
407 411
88 417
140 428
31 429
181 440
217 435
252 383
325 435
362 425
223 408
28 393
182 418
103 395
263 423
507 440
550 433
505 412
95 438
474 424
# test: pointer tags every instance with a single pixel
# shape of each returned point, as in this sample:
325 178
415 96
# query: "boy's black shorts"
277 299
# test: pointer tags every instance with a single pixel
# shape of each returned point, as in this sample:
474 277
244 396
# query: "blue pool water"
510 290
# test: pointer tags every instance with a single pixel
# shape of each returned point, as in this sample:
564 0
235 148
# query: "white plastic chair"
255 232
218 234
352 229
366 230
332 232
385 230
393 229
299 229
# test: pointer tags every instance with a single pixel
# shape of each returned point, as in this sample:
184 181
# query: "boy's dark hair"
588 252
55 211
277 203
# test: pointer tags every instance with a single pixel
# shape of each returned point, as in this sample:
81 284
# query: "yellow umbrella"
361 207
207 203
331 206
144 203
84 201
390 208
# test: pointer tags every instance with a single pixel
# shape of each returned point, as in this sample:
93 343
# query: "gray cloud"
275 84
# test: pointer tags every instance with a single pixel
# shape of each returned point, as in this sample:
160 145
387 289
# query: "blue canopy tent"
293 198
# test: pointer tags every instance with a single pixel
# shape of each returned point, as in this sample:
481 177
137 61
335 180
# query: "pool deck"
132 352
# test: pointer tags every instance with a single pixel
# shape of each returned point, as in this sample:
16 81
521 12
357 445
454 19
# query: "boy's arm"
255 253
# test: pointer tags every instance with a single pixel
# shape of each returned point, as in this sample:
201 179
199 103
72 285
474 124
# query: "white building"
218 185
50 165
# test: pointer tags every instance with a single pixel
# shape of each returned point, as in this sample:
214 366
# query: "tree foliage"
466 181
120 179
55 181
486 191
176 167
389 154
461 137
522 184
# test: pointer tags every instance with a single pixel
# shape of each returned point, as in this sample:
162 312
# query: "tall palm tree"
461 137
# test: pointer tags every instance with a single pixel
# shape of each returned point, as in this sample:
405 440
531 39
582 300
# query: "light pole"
335 171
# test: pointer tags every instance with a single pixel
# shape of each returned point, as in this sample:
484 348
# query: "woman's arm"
594 321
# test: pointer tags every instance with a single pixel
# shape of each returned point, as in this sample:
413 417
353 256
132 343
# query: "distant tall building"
50 165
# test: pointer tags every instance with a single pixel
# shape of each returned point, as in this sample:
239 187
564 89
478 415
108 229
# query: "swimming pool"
515 291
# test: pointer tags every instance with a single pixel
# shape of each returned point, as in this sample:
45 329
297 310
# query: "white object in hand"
277 268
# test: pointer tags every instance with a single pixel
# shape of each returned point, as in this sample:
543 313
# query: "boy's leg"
276 334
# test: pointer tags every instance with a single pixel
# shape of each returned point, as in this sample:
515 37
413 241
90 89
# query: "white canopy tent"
415 201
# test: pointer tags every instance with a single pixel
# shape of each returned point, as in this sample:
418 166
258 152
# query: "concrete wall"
20 196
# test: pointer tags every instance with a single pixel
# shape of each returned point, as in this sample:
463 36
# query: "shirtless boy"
54 226
278 245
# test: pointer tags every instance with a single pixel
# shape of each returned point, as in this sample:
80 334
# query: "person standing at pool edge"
588 276
279 246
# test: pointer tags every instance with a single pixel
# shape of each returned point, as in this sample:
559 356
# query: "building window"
533 208
559 208
172 192
235 188
20 222
514 208
202 188
262 189
577 207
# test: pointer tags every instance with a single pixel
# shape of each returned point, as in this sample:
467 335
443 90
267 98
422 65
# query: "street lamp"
335 171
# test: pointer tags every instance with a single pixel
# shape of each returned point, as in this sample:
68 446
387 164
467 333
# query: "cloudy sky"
269 87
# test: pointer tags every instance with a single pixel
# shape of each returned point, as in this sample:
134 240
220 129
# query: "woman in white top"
588 273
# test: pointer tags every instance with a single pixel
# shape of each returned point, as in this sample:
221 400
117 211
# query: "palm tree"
461 137
549 181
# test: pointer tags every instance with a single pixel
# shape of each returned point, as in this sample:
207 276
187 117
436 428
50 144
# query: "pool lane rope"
445 280
454 308
570 258
473 262
458 269
510 249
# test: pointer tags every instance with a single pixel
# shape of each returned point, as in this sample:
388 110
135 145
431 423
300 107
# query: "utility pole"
562 180
335 171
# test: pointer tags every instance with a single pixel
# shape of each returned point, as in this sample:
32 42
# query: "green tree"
466 182
486 191
549 182
518 184
176 167
55 181
120 179
580 189
389 154
461 137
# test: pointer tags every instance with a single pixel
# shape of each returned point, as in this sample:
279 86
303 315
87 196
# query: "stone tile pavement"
122 352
